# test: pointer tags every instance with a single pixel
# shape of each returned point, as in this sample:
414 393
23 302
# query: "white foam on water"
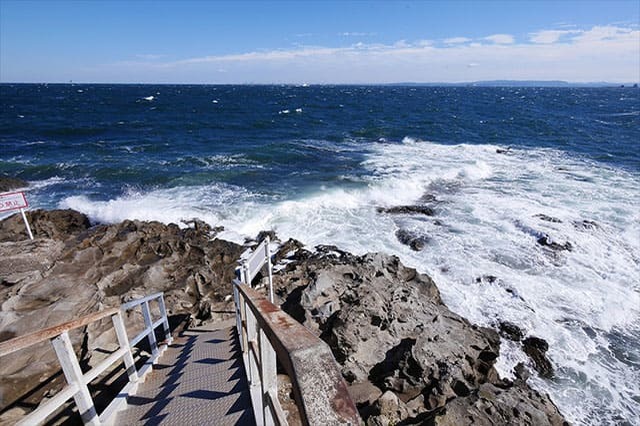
488 225
212 203
584 302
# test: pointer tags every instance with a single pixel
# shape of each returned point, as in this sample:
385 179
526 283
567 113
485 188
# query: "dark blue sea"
314 163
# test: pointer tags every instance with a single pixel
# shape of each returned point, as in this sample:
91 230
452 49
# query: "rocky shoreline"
407 358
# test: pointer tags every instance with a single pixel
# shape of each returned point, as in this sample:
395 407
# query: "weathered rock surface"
55 224
422 210
9 184
407 358
546 241
537 349
70 270
389 329
415 241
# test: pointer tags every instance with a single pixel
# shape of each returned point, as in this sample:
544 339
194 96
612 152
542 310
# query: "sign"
13 201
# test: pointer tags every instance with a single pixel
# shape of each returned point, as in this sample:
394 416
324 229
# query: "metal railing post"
268 257
73 374
123 341
165 323
269 376
146 313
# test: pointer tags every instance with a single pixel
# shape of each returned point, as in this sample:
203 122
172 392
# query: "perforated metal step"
200 380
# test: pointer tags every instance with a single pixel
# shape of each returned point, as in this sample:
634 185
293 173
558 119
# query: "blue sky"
318 42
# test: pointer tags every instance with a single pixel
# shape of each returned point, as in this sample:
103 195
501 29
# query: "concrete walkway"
199 380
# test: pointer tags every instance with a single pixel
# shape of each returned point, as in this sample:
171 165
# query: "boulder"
536 348
414 209
415 241
10 184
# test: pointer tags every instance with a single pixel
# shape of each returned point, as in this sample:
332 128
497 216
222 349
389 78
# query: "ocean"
501 168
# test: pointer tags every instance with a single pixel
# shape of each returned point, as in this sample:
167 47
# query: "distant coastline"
482 83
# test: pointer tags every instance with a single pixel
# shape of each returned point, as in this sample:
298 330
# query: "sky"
327 42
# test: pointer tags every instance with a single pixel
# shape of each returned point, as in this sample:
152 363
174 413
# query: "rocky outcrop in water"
10 184
407 357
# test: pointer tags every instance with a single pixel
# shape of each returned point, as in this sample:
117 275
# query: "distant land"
487 83
521 83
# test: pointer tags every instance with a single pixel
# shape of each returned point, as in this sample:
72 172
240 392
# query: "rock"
586 225
521 372
423 210
263 234
364 393
487 279
547 218
493 405
387 410
414 241
546 241
406 356
388 326
10 184
54 224
510 331
72 269
536 348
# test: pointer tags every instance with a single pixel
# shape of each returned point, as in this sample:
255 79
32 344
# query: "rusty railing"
269 336
77 381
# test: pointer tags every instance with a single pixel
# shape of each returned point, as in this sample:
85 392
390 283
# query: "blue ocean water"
314 162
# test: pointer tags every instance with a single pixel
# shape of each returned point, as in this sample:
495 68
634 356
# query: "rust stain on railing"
319 388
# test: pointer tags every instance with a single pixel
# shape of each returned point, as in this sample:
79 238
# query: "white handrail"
269 336
253 263
76 380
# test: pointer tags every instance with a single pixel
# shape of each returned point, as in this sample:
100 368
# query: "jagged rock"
9 184
493 405
546 218
55 224
387 410
510 331
546 241
487 279
521 372
364 393
423 210
387 325
536 348
414 241
70 270
586 225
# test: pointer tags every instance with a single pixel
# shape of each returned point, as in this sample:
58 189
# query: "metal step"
200 380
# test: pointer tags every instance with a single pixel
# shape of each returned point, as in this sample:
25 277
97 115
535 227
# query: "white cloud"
150 56
357 34
550 36
424 43
456 40
500 38
597 54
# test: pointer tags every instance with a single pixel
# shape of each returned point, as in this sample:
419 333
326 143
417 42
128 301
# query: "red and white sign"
13 201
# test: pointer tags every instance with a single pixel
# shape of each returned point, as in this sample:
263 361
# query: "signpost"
15 201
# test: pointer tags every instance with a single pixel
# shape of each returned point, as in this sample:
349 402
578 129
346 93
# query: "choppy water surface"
314 163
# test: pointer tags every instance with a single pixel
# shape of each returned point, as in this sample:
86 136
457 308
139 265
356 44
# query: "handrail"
319 390
21 342
77 381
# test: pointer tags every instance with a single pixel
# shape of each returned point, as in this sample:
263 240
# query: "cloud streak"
602 53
